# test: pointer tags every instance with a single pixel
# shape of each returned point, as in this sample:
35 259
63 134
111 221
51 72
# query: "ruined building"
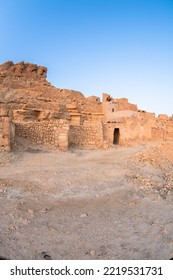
31 108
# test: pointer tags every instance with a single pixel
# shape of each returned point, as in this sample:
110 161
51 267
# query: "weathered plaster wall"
113 107
131 130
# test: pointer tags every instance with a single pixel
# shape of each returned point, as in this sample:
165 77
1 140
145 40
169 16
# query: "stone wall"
89 135
5 125
53 132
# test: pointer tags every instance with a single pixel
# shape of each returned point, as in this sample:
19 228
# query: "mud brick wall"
53 132
89 135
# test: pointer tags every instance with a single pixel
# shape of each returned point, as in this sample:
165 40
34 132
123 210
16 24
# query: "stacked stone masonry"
53 132
89 135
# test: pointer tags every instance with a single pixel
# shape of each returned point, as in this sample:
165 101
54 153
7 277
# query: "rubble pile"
151 171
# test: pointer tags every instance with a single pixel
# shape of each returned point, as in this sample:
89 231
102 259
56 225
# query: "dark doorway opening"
116 136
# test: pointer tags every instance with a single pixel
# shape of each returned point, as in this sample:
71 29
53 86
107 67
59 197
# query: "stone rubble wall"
89 135
54 132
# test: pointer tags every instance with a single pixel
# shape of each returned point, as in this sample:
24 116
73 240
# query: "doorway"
116 136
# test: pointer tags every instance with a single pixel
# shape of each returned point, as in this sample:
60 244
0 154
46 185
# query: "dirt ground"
111 204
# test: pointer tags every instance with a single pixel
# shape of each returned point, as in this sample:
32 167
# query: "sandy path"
85 205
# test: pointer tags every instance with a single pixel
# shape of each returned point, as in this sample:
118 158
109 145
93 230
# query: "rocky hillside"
23 87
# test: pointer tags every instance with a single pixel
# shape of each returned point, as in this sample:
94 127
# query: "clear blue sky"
123 47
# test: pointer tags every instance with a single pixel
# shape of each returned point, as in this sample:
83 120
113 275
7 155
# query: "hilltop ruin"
31 108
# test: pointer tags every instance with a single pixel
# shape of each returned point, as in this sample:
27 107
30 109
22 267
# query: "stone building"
31 108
